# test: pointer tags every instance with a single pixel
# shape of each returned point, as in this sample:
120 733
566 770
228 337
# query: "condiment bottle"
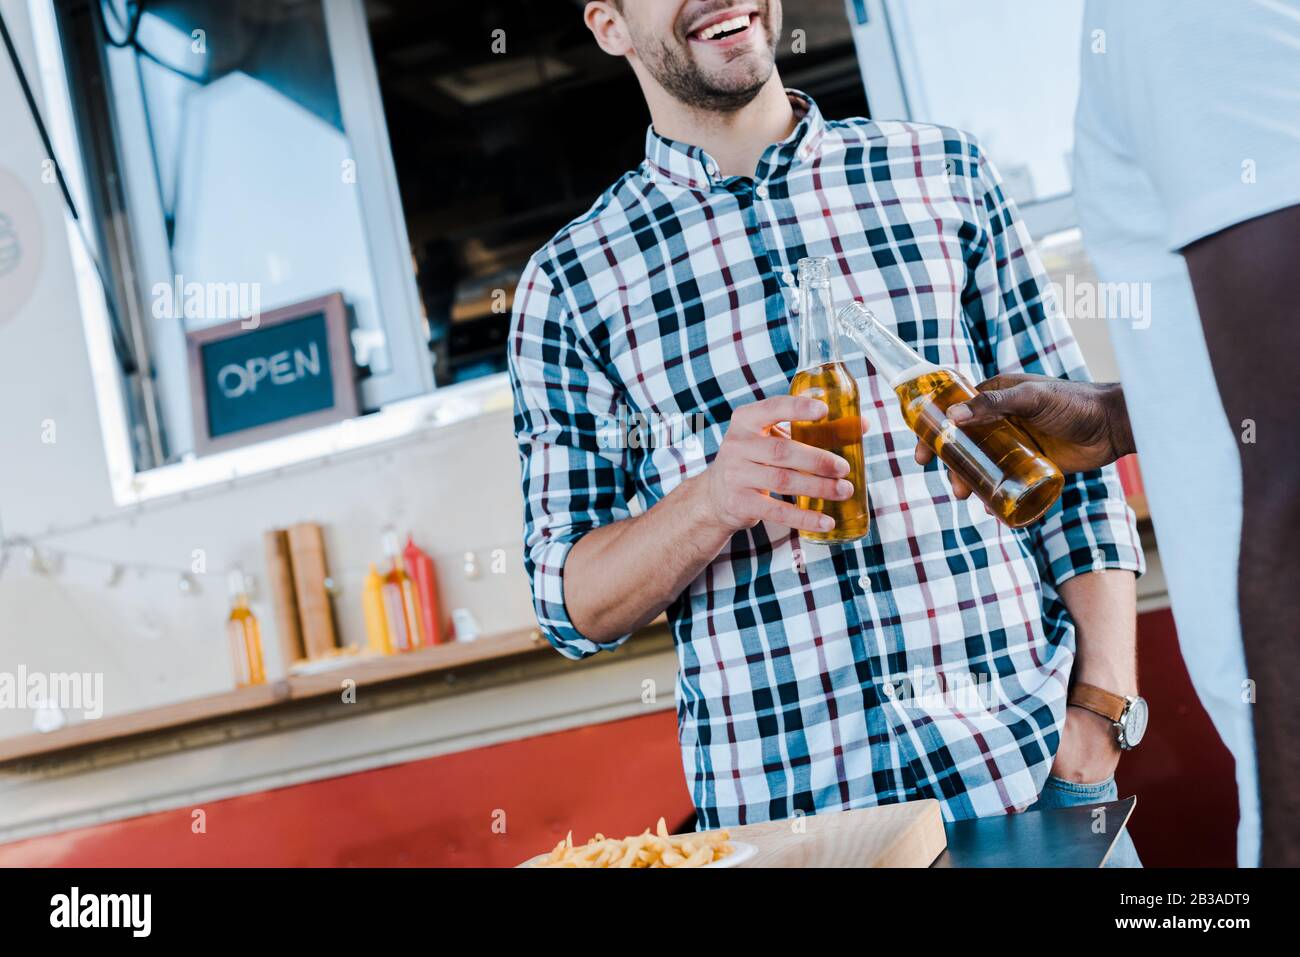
244 635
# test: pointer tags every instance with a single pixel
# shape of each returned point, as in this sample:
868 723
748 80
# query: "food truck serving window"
234 162
240 158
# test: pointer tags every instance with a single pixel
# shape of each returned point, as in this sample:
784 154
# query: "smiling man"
799 663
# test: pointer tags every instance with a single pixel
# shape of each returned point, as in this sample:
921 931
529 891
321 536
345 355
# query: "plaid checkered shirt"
931 658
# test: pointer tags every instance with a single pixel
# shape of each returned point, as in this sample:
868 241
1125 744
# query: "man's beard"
677 72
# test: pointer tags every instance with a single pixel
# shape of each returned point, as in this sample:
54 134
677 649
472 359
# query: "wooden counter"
366 672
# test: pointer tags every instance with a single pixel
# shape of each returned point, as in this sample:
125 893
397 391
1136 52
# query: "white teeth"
735 23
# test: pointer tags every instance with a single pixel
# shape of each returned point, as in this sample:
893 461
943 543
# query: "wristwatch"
1127 713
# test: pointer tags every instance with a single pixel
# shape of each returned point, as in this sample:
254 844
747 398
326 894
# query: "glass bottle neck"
892 358
818 340
237 588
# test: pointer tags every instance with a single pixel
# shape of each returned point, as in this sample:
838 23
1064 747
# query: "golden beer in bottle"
999 461
822 375
244 635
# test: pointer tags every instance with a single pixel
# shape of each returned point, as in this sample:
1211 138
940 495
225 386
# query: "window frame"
413 404
883 77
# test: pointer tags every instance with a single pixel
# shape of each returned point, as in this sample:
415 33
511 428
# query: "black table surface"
1061 837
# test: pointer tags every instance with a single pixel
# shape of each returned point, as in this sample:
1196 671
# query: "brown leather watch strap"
1098 701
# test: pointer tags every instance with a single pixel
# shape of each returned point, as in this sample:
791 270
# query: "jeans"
1059 793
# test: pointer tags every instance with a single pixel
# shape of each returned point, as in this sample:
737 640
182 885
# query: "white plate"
741 853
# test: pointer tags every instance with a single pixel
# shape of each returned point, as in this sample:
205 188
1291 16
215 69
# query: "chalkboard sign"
289 371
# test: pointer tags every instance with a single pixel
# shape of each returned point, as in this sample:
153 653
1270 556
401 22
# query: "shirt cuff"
1096 536
548 560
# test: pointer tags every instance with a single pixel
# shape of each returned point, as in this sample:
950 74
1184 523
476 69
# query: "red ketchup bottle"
425 578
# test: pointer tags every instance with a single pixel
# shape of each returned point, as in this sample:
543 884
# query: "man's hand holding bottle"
758 459
1079 425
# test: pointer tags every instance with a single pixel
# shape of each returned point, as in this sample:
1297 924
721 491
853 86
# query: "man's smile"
726 28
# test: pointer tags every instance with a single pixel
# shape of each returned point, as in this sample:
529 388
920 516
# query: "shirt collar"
669 161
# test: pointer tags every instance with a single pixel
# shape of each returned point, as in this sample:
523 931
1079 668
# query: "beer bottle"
822 375
244 635
1000 462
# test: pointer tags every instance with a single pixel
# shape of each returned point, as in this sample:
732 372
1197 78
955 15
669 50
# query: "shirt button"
864 582
788 278
760 191
713 172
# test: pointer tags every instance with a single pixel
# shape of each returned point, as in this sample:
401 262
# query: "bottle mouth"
814 269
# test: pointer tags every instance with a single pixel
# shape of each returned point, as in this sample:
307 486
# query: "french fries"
659 849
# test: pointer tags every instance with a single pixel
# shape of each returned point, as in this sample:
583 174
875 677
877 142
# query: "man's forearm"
619 576
1103 605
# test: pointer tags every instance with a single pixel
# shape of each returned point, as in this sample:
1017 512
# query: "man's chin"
710 81
740 79
735 93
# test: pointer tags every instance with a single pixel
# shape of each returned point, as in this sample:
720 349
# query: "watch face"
1135 722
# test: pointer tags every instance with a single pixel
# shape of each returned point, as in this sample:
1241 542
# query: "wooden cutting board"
894 835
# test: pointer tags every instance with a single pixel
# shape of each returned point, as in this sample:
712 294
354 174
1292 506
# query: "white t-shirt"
1188 122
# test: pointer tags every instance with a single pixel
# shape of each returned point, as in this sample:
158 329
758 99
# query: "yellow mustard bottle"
372 607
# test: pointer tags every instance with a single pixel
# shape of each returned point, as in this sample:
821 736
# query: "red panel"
617 778
1182 774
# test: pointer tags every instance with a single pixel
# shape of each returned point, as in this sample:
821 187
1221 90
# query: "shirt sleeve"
1202 96
1090 527
563 404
